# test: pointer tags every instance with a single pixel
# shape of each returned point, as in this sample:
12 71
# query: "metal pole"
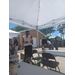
12 41
37 25
21 41
37 38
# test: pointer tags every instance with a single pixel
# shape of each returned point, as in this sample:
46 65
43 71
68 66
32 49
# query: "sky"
12 26
56 33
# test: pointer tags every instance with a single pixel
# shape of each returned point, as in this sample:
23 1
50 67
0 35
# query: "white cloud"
57 35
60 35
49 34
51 37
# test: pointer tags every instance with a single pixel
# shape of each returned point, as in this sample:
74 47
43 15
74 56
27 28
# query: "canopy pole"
21 42
37 25
37 38
12 41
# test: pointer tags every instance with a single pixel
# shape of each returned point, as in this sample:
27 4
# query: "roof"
32 29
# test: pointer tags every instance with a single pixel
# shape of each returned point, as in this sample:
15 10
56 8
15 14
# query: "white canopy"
10 37
36 13
13 34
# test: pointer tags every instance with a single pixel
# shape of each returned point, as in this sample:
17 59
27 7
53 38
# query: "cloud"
57 35
60 35
52 37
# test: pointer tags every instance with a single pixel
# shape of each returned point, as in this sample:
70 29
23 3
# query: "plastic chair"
49 63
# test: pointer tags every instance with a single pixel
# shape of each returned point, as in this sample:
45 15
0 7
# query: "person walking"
27 41
56 43
15 45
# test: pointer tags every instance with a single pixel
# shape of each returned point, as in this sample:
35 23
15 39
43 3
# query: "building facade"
33 32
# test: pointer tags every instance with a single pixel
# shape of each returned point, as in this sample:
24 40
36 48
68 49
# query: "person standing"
49 44
27 41
56 43
15 45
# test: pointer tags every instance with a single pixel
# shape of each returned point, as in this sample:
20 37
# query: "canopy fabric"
13 34
10 37
36 13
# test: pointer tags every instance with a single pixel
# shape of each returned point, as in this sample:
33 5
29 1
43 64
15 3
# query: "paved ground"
61 60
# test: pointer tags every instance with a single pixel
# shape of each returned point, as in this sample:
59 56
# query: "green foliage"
48 30
51 39
44 31
60 28
47 37
18 28
12 29
59 38
61 42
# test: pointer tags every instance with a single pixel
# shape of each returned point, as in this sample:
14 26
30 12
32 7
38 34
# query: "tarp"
10 37
36 13
13 34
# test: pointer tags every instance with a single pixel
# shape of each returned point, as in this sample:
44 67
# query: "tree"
47 37
44 31
47 31
52 40
59 38
18 28
12 29
50 30
61 28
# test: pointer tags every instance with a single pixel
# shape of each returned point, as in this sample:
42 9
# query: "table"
55 53
28 69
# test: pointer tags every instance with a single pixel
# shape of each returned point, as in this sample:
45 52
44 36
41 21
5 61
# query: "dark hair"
26 31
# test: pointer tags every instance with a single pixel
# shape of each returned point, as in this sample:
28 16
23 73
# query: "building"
33 32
